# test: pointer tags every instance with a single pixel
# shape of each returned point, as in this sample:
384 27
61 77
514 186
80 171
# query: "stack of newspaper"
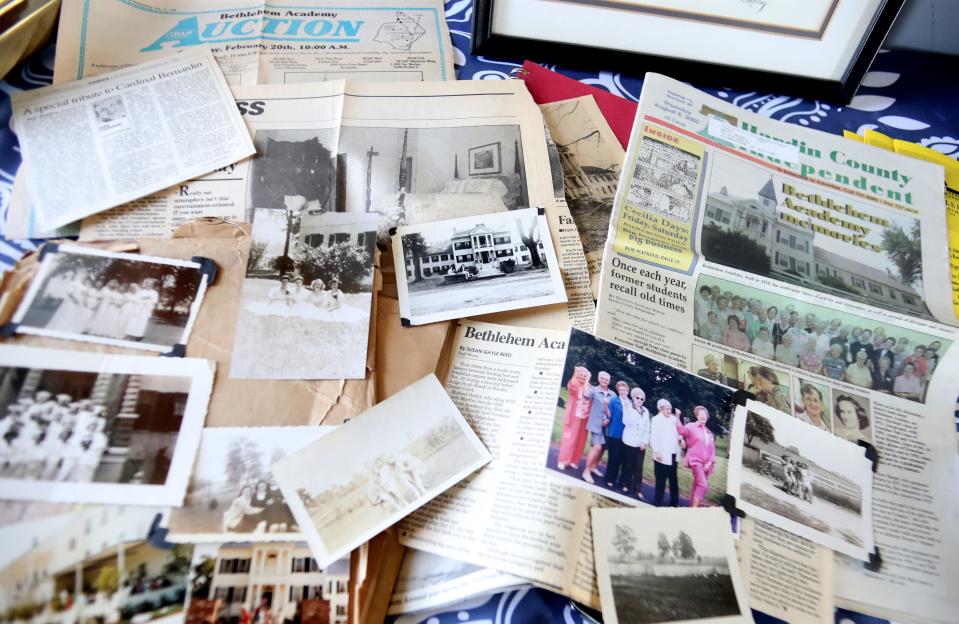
327 303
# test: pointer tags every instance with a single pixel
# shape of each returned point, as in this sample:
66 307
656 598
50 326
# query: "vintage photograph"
630 427
779 228
118 429
119 299
376 469
665 180
111 115
419 175
802 479
309 282
819 340
770 385
232 494
97 567
265 583
811 403
591 158
667 565
851 417
475 265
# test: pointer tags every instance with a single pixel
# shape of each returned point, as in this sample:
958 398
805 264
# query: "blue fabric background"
908 95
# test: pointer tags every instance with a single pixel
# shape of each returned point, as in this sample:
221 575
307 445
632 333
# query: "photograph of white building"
280 579
96 565
752 204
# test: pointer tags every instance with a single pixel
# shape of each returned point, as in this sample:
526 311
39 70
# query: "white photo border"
854 465
172 492
402 286
46 266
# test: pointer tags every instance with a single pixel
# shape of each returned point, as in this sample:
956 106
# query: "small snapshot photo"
667 565
802 479
309 286
267 583
769 385
119 299
97 428
97 565
378 468
476 265
638 430
232 494
111 115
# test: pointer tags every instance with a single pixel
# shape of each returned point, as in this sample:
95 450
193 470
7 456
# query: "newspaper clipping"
801 267
258 42
101 142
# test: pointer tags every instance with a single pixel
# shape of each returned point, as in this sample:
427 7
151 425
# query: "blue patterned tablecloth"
908 95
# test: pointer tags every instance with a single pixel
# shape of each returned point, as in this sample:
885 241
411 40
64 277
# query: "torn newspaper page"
510 516
101 142
630 427
786 576
428 581
591 158
98 428
659 295
371 472
477 265
227 584
668 565
232 495
119 299
261 41
800 478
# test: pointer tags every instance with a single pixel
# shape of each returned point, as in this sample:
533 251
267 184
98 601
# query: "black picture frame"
486 43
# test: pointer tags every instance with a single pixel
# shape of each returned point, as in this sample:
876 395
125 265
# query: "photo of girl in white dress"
119 299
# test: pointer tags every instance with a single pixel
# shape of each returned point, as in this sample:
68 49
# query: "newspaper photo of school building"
750 224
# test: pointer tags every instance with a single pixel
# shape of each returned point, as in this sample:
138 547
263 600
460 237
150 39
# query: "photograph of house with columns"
804 234
97 566
277 582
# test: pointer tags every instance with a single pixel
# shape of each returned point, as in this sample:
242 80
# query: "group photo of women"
113 298
816 339
639 429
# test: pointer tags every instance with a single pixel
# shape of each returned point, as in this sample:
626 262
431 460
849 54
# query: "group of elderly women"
618 424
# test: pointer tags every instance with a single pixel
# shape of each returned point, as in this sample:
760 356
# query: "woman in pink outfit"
700 453
574 427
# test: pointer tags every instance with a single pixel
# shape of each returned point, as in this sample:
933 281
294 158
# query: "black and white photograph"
98 428
667 565
475 265
308 290
111 114
378 468
241 582
851 416
785 230
418 175
119 299
232 494
591 158
802 479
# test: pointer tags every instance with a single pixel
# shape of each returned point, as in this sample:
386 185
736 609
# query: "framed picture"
485 159
816 48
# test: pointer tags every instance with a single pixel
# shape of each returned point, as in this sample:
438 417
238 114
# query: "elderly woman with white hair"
712 372
665 444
